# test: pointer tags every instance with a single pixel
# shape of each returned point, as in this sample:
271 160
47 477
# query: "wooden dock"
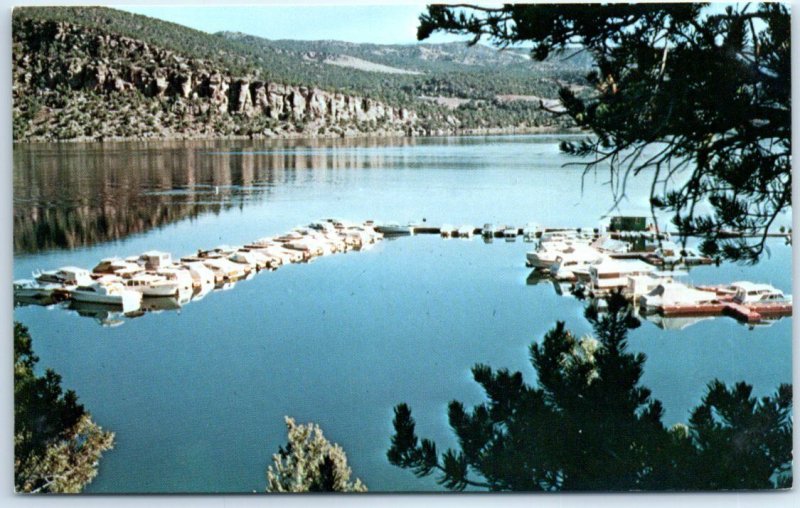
752 313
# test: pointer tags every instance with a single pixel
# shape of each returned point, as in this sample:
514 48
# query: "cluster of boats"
594 265
145 281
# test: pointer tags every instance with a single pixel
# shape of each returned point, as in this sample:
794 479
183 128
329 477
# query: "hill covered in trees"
93 73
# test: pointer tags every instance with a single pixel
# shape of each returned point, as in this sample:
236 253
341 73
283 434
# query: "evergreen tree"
589 425
57 446
698 101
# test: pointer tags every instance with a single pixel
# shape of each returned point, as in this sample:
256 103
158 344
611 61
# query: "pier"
227 265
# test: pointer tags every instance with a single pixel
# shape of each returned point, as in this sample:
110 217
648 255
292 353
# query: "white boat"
109 293
117 266
640 285
568 264
26 288
308 245
612 246
613 274
150 284
669 294
66 275
393 229
510 234
153 259
225 269
284 255
178 275
201 274
325 226
248 259
489 230
466 231
751 293
529 232
548 253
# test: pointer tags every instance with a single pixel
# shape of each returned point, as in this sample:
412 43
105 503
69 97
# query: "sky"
379 24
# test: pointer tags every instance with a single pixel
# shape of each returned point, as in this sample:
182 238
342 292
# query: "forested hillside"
86 73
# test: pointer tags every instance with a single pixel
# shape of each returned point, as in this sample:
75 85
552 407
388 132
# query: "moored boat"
112 293
66 275
150 284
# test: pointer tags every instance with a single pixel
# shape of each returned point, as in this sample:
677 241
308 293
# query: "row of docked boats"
130 283
595 265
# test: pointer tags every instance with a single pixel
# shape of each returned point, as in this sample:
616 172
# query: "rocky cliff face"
71 82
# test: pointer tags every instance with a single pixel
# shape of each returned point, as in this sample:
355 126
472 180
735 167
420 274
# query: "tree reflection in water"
589 425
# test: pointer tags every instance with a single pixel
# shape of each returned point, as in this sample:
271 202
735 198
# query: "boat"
447 231
247 259
201 274
154 259
112 293
611 246
281 253
529 232
178 275
309 246
26 288
394 229
489 230
510 234
117 266
465 231
749 293
548 253
670 297
150 284
66 276
569 264
612 274
640 285
225 269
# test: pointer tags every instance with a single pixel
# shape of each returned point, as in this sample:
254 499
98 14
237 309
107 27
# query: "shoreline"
491 131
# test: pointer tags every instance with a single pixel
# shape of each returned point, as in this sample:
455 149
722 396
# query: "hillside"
98 73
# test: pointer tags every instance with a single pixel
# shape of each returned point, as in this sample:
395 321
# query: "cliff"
73 82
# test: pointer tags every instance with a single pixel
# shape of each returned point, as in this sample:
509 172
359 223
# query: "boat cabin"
749 292
613 274
153 259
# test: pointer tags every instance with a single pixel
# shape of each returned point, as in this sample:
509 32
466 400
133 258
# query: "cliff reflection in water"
72 195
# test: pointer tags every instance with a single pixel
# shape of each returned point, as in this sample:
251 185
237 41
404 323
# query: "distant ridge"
94 73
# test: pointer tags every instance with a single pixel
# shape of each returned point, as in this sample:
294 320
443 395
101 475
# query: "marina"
342 339
595 263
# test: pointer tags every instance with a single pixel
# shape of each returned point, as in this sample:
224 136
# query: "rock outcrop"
71 82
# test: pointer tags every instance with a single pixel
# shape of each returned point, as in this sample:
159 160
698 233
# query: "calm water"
197 396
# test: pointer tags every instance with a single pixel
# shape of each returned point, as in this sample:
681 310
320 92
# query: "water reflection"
109 315
68 196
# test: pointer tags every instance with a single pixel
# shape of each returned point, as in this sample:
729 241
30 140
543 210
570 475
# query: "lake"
197 396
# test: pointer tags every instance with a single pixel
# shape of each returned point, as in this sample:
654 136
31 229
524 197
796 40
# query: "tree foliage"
699 101
310 463
57 446
589 425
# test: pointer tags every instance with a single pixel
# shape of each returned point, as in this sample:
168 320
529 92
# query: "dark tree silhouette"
589 425
57 446
700 102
